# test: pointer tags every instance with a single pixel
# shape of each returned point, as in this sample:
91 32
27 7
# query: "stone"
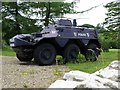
110 72
89 79
115 65
104 78
91 83
76 75
64 84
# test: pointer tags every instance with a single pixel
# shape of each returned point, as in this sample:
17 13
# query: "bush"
113 44
105 45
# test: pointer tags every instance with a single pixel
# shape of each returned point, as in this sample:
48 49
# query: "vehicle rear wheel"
45 54
24 57
92 52
71 53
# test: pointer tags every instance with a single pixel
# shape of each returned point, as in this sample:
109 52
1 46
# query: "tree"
17 17
88 26
112 22
13 22
48 11
100 28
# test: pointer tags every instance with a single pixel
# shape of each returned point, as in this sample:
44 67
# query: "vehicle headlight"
12 44
12 40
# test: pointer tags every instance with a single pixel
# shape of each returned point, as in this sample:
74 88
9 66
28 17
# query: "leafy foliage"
107 41
90 67
113 16
87 25
13 21
110 35
48 11
26 17
100 28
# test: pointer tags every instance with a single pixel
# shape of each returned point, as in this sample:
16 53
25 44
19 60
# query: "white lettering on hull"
83 34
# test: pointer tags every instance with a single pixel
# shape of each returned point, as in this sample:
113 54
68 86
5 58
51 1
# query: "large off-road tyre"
92 52
45 54
24 57
71 53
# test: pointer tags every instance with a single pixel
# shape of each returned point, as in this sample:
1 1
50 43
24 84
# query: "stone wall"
108 77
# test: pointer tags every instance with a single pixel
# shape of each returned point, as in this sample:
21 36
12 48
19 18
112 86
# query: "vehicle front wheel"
45 54
24 57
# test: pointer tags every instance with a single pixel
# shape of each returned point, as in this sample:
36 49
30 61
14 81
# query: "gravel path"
16 74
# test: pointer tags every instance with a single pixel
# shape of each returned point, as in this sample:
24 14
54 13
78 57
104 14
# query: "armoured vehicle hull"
62 38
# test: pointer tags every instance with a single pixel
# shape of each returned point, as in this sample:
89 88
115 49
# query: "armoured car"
63 38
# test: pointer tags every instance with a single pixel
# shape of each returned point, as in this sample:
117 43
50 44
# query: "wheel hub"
46 54
73 54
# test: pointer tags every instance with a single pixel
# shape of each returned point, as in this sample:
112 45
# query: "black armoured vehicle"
61 38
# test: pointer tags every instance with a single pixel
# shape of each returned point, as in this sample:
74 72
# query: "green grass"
7 51
87 66
90 67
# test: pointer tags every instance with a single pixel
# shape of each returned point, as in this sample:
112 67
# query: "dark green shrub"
105 45
113 44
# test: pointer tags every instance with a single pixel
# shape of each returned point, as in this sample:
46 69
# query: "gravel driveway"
16 74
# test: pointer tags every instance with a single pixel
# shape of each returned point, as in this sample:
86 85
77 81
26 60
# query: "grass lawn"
87 66
7 51
103 60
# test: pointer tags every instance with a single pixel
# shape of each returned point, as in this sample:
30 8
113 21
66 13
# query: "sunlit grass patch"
103 60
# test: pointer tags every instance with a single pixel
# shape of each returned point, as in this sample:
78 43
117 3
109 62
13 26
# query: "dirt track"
16 74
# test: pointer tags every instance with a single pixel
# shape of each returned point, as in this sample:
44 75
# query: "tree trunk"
17 26
47 14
